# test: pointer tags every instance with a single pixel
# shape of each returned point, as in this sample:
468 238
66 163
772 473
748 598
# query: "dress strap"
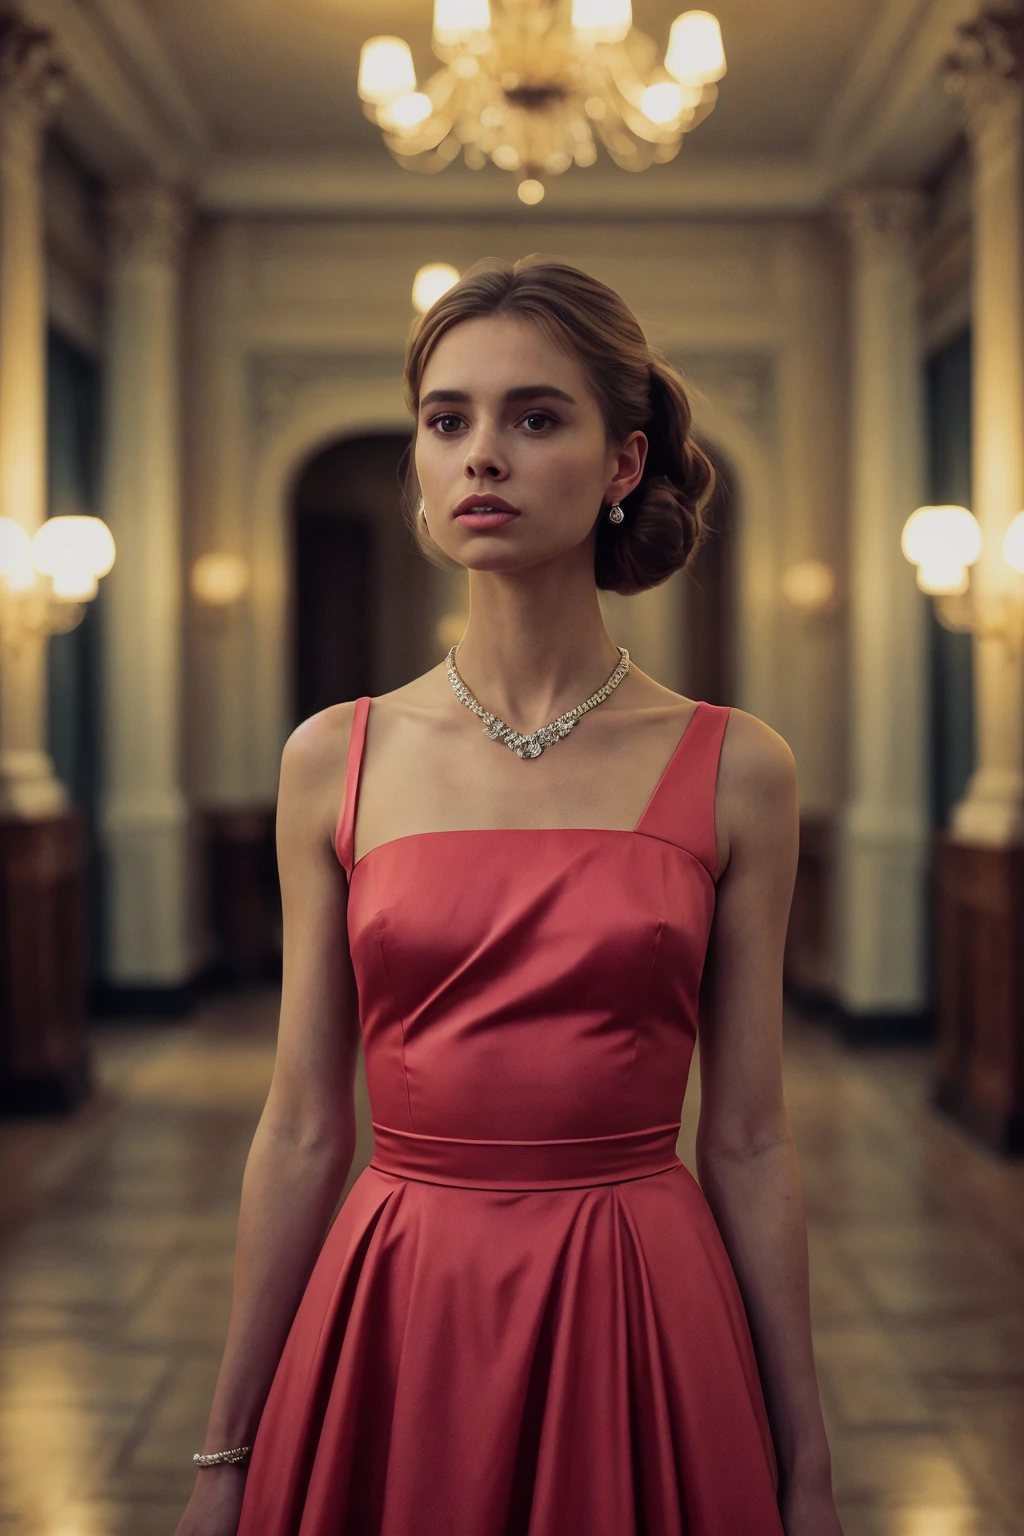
682 807
345 830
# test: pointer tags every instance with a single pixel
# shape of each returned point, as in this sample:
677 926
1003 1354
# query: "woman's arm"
746 1158
305 1140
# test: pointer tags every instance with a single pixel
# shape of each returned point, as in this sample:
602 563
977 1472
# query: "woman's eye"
446 416
541 416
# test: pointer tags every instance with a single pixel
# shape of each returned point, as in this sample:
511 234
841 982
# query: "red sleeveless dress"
523 1321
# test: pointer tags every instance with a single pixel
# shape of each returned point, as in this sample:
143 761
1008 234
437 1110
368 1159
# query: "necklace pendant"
529 747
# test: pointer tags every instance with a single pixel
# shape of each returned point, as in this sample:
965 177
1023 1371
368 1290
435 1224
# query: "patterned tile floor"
116 1236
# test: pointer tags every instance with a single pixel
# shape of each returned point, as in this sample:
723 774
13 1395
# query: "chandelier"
535 85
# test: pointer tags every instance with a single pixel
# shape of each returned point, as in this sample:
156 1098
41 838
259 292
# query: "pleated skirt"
475 1361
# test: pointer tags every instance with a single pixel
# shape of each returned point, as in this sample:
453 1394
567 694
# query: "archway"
362 595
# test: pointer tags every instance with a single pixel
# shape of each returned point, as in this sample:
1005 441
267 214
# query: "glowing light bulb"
218 580
663 103
456 21
809 585
941 537
386 70
602 21
431 282
1013 544
407 112
695 55
530 191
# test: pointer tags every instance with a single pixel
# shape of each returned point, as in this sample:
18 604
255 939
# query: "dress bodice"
536 982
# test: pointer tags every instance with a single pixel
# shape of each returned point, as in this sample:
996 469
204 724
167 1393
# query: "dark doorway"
709 626
334 580
357 588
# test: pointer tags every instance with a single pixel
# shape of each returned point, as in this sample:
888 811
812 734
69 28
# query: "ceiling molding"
122 120
130 113
155 68
890 74
741 186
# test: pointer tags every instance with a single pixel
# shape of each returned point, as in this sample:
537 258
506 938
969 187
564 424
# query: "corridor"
115 1271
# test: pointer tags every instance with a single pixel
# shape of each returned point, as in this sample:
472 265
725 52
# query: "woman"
527 1319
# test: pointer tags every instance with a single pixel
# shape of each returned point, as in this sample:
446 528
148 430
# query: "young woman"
528 1319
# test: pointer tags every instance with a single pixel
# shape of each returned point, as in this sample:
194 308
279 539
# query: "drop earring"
616 514
421 512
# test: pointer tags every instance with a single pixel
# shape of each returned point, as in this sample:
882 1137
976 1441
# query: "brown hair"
636 388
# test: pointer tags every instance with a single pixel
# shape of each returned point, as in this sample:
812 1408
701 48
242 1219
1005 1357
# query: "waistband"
570 1163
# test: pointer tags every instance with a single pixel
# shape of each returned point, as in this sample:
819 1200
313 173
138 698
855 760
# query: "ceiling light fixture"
534 85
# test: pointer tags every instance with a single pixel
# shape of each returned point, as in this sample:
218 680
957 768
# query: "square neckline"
352 783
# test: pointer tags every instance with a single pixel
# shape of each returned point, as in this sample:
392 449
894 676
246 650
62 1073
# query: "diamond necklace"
546 735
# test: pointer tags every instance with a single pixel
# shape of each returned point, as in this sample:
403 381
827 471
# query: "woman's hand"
216 1503
808 1509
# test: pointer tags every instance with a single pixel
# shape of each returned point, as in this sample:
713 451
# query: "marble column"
30 86
985 74
884 834
146 820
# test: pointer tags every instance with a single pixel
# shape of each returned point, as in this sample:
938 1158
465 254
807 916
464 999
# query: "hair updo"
636 389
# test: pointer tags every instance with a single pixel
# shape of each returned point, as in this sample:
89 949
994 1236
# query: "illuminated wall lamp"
809 586
943 543
431 282
219 581
46 580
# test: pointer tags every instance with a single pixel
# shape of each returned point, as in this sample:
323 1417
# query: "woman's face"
506 418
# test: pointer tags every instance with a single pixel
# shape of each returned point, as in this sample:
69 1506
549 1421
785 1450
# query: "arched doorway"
361 604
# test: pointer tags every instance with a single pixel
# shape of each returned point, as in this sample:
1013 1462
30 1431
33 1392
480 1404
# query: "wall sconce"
809 586
430 282
943 542
219 581
46 580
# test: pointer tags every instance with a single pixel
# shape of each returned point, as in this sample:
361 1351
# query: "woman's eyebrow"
521 392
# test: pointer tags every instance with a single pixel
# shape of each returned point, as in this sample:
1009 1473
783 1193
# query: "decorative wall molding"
880 219
147 224
32 85
983 72
112 112
886 106
139 42
276 381
744 386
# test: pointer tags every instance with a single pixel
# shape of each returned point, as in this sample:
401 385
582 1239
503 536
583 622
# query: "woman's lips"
485 520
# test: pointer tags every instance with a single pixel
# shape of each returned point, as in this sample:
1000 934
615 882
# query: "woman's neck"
534 647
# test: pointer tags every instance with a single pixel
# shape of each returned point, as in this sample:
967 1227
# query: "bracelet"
218 1458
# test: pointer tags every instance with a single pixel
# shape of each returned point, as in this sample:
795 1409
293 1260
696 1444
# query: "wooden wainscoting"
979 964
44 1053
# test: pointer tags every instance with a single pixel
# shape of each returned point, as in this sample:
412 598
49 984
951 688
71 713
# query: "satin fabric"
524 1321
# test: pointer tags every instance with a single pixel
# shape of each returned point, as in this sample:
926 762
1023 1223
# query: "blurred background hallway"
217 221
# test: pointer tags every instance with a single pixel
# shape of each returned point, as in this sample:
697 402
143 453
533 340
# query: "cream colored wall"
295 336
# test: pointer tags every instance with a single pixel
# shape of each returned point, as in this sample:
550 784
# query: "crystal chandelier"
533 85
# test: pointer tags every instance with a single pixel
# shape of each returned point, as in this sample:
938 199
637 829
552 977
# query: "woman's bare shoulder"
757 797
317 744
312 783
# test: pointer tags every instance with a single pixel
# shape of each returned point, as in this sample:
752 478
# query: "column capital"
31 84
882 220
985 72
148 223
